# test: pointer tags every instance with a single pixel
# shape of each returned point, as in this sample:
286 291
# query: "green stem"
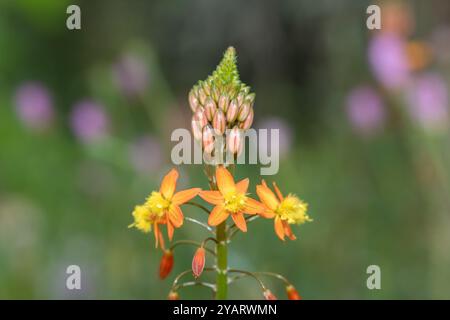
221 256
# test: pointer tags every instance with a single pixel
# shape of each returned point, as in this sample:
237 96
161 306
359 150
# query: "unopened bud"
292 293
208 138
202 96
232 112
268 295
166 265
244 110
200 116
235 140
219 122
247 123
193 100
196 129
198 262
240 98
215 93
210 108
173 295
250 98
224 102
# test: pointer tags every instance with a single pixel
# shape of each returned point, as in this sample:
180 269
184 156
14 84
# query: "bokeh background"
86 117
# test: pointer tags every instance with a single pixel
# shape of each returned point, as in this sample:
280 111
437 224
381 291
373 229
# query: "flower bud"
200 116
292 293
173 295
244 111
232 112
219 122
250 98
196 129
240 98
235 140
247 123
224 102
198 263
210 108
166 264
193 100
202 96
215 93
208 138
268 295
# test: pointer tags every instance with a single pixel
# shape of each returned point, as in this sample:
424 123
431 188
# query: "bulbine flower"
163 207
198 262
284 210
230 199
166 265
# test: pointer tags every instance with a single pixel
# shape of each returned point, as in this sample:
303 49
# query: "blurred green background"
86 117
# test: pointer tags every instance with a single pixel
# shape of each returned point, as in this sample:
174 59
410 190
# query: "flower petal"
239 220
176 216
253 207
213 197
268 214
288 231
225 181
170 230
267 197
279 228
242 186
169 183
277 191
217 216
159 239
185 195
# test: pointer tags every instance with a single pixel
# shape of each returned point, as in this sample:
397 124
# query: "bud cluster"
221 103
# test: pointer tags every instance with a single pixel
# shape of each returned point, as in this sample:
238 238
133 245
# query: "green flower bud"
219 122
224 102
210 108
244 111
232 112
247 123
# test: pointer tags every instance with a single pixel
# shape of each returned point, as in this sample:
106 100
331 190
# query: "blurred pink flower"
365 110
388 60
146 154
131 75
34 105
89 121
429 101
285 131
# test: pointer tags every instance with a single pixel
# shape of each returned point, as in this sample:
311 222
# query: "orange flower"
284 210
198 262
230 199
163 207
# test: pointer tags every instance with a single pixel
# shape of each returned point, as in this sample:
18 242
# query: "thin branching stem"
186 272
204 225
192 243
233 229
195 283
247 273
195 204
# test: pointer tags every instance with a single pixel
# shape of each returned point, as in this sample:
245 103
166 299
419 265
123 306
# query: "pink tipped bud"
198 263
292 293
232 112
235 140
193 100
240 98
208 138
268 295
173 295
224 102
210 109
244 111
166 265
219 122
200 116
202 96
196 129
247 123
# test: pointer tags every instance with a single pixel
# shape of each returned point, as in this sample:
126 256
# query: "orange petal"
176 216
288 231
170 230
263 182
268 214
213 197
267 197
185 195
253 207
242 186
239 220
158 236
169 183
217 216
279 228
225 181
277 191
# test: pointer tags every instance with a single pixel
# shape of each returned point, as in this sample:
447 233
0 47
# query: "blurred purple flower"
146 154
388 60
285 132
131 75
365 110
89 121
429 101
34 105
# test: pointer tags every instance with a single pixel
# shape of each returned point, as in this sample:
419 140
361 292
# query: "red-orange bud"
269 295
166 265
292 293
173 295
198 263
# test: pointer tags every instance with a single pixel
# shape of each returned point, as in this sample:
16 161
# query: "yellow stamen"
157 204
293 210
235 202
